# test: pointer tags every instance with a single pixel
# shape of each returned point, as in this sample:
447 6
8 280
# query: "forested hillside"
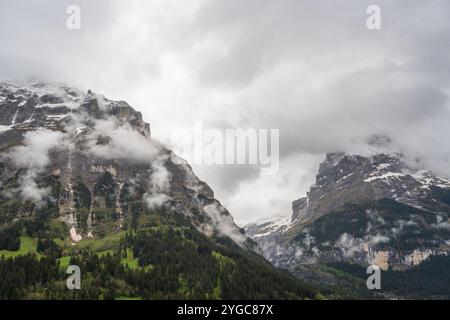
163 258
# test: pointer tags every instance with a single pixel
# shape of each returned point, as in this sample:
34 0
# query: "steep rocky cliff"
378 210
91 162
83 183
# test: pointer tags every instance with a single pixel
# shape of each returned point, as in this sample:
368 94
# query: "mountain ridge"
89 128
83 183
383 199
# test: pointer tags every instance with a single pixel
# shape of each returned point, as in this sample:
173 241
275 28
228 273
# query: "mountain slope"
96 154
82 182
362 210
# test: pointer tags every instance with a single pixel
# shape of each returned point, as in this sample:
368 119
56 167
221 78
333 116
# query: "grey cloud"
34 157
228 178
310 68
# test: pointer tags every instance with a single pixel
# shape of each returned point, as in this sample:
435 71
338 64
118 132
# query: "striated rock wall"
105 167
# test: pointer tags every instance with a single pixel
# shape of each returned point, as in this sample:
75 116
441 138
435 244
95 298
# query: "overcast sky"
309 68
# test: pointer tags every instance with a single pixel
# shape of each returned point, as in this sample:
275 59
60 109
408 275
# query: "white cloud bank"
309 68
34 157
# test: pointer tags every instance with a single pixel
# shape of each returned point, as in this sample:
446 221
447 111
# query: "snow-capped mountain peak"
368 209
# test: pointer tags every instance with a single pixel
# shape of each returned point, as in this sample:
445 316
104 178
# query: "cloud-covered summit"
311 69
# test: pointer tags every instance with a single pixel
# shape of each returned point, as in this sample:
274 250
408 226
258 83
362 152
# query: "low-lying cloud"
122 142
33 156
159 184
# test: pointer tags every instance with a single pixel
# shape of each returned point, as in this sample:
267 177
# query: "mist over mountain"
82 182
363 210
93 173
311 69
95 150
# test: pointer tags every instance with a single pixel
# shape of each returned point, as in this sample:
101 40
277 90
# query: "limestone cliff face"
366 210
91 162
346 179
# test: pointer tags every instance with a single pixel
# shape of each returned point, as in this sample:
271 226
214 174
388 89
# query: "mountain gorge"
82 182
363 210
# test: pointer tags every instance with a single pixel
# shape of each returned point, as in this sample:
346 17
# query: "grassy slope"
27 245
222 261
100 247
130 260
227 260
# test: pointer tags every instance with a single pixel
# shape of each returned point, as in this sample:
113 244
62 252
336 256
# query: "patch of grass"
65 244
27 245
343 275
64 262
104 253
62 243
221 258
107 243
130 260
217 289
222 261
128 298
183 285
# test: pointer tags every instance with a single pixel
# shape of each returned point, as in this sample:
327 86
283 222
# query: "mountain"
82 182
362 210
